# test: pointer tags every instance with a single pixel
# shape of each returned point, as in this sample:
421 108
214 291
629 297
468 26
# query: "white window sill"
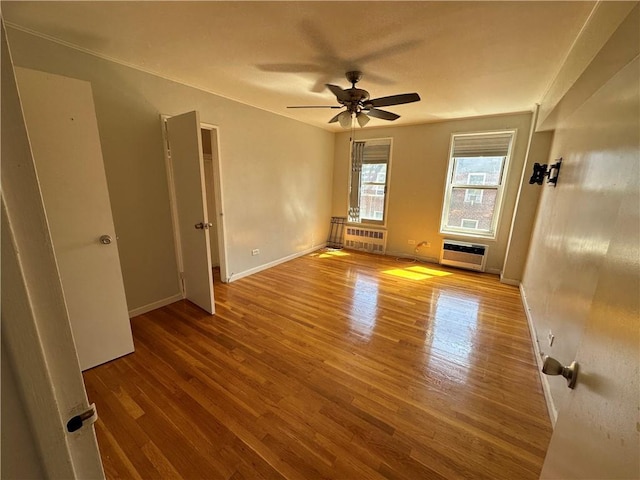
450 233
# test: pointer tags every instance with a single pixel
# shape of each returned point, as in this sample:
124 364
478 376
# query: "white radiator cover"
366 239
470 256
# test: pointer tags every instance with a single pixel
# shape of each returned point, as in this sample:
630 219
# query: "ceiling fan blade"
321 81
362 118
386 51
383 114
316 106
394 100
338 92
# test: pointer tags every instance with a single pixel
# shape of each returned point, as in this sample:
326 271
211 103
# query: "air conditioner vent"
463 255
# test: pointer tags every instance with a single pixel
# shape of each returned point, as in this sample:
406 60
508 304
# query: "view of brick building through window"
373 179
473 208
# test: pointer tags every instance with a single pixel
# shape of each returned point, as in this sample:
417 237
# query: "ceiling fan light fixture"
362 118
345 119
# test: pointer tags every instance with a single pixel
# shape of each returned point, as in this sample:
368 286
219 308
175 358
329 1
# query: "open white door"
185 146
35 323
63 132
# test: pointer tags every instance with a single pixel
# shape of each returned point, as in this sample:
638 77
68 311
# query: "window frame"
385 185
450 186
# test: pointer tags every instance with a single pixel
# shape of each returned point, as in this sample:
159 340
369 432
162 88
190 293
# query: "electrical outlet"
551 338
255 251
411 242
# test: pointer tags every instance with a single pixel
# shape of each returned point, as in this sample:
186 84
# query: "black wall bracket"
543 170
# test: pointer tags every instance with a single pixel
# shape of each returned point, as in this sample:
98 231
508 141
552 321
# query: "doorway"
192 155
209 150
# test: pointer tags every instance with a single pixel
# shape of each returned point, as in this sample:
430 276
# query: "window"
477 168
369 181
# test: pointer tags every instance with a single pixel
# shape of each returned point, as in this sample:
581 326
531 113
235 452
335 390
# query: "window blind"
482 145
375 153
357 154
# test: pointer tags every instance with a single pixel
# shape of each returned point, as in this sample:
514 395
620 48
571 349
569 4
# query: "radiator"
463 255
366 239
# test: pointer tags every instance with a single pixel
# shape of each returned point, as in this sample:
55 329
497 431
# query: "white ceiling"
465 59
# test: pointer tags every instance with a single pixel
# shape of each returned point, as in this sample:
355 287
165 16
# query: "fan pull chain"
353 128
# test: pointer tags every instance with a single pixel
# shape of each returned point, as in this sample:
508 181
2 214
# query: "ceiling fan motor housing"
353 76
356 97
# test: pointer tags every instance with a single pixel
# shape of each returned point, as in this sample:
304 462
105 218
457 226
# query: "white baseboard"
551 408
251 271
154 305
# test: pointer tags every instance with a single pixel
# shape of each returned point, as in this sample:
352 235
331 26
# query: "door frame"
218 196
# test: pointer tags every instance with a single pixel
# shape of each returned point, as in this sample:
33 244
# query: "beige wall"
525 210
276 172
418 171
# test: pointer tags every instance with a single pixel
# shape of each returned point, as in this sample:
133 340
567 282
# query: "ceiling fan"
358 104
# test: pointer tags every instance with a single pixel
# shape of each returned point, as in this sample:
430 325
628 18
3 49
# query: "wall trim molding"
551 408
154 305
237 276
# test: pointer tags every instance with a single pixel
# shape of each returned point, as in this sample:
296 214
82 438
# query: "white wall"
418 172
276 172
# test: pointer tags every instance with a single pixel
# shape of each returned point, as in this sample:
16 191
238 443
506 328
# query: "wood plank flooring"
336 365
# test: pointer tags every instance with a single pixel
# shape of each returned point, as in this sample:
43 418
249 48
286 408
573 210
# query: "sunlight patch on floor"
334 253
428 271
416 272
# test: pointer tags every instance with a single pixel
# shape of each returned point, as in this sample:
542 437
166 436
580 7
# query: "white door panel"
185 144
63 132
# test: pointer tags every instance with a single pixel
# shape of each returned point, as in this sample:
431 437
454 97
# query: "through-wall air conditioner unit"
463 255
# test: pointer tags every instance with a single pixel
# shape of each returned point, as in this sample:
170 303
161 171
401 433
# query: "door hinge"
166 138
182 288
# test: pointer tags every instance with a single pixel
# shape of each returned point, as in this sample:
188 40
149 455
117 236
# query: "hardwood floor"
335 365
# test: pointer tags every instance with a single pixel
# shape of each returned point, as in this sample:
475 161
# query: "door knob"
551 366
203 226
105 239
77 422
